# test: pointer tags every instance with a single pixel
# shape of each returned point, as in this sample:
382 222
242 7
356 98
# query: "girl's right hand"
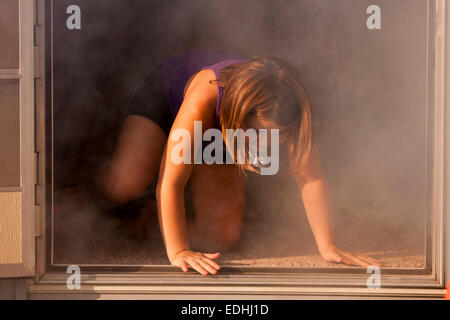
203 263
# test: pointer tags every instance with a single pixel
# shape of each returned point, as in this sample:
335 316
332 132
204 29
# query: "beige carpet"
269 239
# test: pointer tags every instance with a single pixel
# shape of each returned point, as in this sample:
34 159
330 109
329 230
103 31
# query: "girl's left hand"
333 254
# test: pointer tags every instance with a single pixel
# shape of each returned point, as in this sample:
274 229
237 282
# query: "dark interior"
368 91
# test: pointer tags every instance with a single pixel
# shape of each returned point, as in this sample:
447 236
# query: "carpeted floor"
93 236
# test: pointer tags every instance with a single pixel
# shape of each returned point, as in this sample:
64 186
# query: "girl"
224 91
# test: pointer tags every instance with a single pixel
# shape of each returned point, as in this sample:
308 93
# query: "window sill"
176 285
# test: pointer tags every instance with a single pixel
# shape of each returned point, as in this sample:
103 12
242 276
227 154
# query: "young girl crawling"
221 90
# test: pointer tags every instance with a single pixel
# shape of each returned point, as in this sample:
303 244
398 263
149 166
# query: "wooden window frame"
109 281
24 74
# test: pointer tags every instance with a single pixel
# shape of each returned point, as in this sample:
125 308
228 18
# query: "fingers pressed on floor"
362 262
207 267
352 261
374 261
196 266
184 266
212 263
369 260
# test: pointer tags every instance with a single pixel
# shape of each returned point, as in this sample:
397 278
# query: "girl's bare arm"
198 105
315 194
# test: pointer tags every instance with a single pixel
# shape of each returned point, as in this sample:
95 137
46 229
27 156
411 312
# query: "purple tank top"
177 70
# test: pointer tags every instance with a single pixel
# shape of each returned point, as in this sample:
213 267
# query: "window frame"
249 282
24 191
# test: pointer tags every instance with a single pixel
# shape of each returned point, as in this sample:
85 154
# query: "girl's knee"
224 232
222 241
228 238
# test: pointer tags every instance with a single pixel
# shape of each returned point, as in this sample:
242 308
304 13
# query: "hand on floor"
203 263
333 254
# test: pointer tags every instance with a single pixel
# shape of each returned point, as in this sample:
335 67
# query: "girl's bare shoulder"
200 99
200 86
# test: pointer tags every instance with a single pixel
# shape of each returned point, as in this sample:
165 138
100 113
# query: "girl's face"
259 154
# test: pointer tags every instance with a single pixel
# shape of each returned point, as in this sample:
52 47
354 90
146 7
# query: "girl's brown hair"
267 88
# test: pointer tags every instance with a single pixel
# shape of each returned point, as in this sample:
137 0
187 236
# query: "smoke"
367 87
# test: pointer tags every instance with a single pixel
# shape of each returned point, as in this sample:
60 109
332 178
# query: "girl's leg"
218 202
135 162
